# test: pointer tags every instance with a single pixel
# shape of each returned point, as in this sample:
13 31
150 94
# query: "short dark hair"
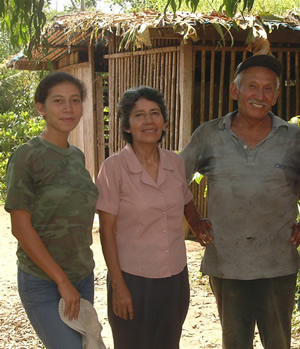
53 79
128 101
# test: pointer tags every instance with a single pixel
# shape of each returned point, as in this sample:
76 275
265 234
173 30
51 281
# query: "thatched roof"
78 30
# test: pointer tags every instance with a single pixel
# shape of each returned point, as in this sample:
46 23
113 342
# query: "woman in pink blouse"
143 197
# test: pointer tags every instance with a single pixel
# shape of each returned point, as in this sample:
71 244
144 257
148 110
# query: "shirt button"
164 231
245 146
166 251
163 212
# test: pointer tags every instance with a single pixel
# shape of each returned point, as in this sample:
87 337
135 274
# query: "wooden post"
186 82
99 132
91 136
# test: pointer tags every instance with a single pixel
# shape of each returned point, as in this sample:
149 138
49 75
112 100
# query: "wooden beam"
186 93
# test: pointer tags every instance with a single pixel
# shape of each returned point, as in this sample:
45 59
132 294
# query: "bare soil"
201 328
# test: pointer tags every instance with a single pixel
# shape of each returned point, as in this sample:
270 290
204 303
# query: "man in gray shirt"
252 161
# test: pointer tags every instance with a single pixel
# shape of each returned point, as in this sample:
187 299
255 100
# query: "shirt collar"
135 166
225 123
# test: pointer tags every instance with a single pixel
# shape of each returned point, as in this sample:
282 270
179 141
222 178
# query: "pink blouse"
149 230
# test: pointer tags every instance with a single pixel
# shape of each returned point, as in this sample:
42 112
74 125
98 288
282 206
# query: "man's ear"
275 97
234 91
40 107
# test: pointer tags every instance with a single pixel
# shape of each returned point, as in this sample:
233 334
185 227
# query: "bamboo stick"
232 70
221 85
177 99
172 70
288 85
280 97
168 96
212 85
202 92
297 83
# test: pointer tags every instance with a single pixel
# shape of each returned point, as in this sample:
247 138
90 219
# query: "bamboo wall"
214 71
157 68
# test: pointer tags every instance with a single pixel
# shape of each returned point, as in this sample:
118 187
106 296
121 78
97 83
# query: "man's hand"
202 231
200 226
296 234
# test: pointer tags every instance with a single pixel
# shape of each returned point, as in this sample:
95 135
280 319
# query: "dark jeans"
268 303
160 307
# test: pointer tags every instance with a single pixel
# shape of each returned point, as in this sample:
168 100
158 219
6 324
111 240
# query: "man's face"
257 92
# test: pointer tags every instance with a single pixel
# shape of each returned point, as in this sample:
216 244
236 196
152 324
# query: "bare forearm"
110 253
191 214
122 301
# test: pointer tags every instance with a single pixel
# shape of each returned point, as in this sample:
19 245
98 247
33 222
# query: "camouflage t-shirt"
53 184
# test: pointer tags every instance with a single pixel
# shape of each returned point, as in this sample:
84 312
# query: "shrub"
15 129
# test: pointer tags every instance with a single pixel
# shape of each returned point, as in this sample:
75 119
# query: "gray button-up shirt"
252 198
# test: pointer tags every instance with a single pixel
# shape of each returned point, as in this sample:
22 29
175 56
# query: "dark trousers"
160 307
268 303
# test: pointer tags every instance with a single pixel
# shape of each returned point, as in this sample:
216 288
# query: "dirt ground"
201 328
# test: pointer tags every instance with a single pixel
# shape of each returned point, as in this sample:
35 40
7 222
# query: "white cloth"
87 324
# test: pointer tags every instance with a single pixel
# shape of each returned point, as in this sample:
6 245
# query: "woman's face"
146 122
63 108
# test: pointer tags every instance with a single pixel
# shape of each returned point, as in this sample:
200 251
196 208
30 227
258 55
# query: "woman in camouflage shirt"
51 199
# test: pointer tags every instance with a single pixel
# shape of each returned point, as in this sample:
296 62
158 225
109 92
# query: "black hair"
128 101
53 79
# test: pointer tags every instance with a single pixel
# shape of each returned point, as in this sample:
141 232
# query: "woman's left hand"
122 302
71 297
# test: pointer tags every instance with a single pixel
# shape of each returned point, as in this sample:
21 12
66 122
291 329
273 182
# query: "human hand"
122 302
202 231
71 297
296 234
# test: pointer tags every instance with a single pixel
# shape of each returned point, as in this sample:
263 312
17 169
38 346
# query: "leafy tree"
276 7
230 6
81 5
23 21
18 119
15 129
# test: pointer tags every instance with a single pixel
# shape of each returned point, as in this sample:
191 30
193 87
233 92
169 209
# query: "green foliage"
231 6
276 7
295 120
197 177
15 129
23 21
18 119
16 90
137 5
75 5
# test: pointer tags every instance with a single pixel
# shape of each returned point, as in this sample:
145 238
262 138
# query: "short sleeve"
19 182
108 184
